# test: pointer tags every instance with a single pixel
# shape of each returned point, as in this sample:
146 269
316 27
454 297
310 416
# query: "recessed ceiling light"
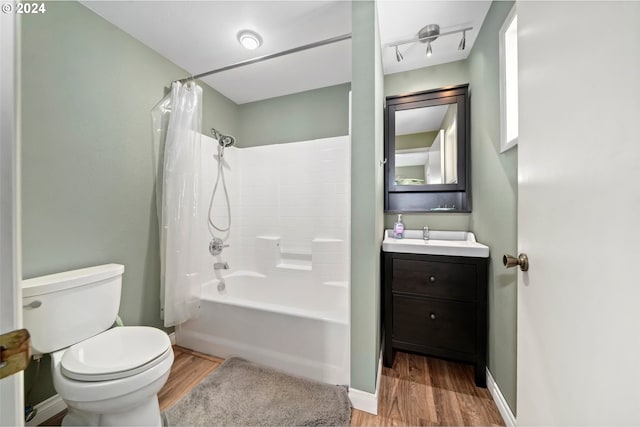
249 39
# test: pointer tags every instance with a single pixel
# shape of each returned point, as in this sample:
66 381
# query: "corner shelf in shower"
299 267
323 251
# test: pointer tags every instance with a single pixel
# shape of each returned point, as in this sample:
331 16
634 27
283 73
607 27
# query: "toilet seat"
117 353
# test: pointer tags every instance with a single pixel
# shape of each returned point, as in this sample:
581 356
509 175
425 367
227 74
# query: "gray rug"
242 393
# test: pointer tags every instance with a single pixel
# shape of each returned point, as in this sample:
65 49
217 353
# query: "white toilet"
107 377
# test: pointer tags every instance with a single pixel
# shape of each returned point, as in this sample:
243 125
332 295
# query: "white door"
11 399
579 213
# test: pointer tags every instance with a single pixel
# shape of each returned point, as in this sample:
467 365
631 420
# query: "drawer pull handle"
432 316
432 279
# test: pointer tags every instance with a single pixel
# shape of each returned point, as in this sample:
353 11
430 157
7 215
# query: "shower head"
223 140
226 140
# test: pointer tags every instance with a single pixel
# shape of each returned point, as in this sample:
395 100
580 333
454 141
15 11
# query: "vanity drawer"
435 279
436 324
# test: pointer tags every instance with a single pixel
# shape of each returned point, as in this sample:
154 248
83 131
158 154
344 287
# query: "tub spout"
221 266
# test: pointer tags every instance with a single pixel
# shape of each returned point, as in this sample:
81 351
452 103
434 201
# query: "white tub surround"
284 301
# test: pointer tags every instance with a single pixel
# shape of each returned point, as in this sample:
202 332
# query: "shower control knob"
216 245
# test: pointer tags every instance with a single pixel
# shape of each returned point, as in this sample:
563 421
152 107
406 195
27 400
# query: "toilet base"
145 414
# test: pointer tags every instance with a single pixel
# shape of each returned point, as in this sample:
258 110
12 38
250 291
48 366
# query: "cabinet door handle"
432 316
432 279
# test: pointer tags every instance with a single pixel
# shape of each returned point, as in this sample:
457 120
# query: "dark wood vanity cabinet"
436 305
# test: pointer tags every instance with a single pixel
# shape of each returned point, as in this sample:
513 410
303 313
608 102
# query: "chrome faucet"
221 266
425 233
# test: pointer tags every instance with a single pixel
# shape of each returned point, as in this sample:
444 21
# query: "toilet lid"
116 353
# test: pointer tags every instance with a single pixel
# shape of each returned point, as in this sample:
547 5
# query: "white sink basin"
452 243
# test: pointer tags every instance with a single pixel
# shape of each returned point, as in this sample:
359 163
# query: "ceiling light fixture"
249 39
399 56
428 34
463 41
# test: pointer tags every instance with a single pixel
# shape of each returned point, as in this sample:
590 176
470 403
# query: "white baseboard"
501 403
364 401
47 409
172 338
367 402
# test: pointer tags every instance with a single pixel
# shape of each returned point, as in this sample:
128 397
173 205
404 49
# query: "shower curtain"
177 122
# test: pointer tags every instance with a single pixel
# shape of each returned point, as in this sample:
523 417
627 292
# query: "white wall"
296 194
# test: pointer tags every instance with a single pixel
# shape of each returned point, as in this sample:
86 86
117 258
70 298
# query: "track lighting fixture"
463 41
428 34
399 56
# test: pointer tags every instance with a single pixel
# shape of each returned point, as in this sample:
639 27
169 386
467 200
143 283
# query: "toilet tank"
62 309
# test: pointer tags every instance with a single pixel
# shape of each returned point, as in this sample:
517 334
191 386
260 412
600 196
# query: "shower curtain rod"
270 56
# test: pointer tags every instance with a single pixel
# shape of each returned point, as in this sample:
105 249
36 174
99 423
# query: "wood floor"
416 391
188 370
423 391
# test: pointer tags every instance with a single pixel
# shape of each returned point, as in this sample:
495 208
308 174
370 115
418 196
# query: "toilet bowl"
106 376
114 374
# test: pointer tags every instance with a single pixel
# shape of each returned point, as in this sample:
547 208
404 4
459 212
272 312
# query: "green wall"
87 172
494 185
495 191
410 172
367 144
415 140
314 114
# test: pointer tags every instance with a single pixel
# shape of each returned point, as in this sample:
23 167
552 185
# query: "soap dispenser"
398 228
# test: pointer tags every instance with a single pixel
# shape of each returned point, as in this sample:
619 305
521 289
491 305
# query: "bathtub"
298 326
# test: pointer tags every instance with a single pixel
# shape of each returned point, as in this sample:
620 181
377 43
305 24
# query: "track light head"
429 51
399 56
463 41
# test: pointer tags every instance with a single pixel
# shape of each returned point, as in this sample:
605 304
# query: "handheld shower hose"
216 245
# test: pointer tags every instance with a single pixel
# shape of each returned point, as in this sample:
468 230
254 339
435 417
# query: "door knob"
511 261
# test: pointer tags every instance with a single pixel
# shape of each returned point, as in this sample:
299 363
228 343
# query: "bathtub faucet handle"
216 245
221 266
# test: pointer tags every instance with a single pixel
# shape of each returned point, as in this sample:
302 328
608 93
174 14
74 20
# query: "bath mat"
243 393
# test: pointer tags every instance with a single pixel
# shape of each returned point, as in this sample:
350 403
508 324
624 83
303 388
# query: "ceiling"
202 35
418 120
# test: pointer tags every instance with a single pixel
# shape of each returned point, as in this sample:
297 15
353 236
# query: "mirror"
426 146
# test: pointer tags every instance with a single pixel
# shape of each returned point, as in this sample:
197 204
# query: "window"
509 81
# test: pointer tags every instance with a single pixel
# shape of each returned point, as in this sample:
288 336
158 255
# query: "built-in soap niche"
325 262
